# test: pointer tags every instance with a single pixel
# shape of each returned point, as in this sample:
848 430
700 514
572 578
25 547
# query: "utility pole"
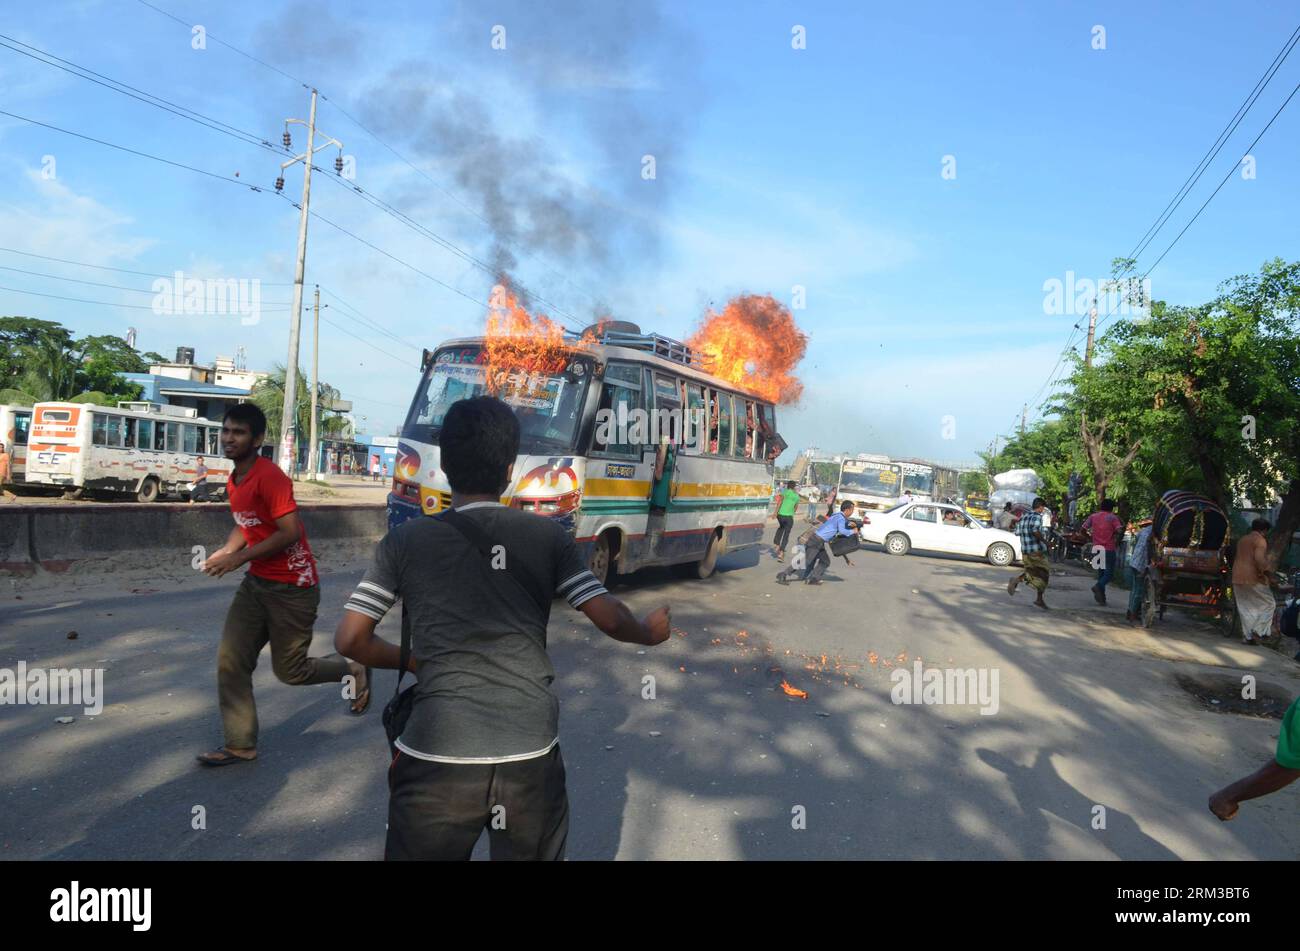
1024 413
288 419
1092 332
315 368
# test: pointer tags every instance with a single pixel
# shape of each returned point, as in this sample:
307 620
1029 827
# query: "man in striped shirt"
1033 554
481 747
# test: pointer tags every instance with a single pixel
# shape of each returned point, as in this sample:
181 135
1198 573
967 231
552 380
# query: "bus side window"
22 424
213 436
114 437
98 429
128 436
696 419
173 437
144 434
159 435
724 424
621 387
189 438
746 449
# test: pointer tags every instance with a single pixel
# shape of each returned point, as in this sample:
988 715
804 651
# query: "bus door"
621 466
667 436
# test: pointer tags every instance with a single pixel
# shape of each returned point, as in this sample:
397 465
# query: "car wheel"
1001 554
896 543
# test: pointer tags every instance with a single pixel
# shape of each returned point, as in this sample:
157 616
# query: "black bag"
845 544
398 710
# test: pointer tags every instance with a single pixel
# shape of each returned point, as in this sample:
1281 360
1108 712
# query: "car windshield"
548 407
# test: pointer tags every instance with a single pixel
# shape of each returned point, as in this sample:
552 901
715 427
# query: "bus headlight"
406 491
553 505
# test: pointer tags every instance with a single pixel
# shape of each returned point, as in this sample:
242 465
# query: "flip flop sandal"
223 757
367 694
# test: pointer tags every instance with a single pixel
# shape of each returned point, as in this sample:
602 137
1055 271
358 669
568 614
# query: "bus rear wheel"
72 495
148 491
705 566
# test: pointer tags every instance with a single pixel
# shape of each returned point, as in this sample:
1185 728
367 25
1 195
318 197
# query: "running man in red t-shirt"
277 600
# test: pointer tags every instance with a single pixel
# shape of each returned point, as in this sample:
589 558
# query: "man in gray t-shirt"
481 746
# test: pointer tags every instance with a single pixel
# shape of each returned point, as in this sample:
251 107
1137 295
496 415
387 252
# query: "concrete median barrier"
54 541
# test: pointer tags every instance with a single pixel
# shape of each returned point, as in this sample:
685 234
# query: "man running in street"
817 557
481 746
1105 530
277 600
788 505
1033 554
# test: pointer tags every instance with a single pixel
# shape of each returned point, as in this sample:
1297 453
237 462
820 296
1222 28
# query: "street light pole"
288 419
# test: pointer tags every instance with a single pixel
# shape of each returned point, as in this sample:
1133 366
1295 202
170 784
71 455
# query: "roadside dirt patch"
1222 693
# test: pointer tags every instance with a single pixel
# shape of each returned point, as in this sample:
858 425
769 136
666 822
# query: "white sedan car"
937 526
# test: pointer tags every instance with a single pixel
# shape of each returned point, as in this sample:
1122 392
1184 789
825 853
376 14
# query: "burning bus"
594 410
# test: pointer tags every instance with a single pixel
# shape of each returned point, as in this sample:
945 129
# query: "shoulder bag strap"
479 539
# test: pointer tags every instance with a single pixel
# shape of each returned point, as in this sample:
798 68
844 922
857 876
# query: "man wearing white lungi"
1250 583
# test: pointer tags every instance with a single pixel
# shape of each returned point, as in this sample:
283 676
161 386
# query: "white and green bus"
584 460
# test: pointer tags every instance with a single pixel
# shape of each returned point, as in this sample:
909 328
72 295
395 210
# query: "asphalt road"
721 764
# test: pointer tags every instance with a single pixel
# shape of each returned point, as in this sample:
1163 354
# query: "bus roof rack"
660 346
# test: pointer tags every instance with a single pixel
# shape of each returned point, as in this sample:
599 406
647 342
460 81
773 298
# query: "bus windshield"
549 408
880 482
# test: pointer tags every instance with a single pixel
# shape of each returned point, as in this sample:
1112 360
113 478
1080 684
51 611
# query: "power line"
82 300
119 287
147 98
137 152
355 237
250 138
1217 145
227 45
1195 177
370 132
120 270
402 217
353 312
368 343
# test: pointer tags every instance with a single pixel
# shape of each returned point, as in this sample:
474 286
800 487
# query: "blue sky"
775 167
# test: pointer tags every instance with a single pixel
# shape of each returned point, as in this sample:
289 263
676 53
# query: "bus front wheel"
602 559
148 491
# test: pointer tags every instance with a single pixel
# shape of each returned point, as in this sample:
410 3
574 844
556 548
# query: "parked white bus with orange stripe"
15 425
133 450
599 480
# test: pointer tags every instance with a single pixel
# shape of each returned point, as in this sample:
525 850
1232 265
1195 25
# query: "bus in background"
596 480
928 482
15 422
870 482
134 450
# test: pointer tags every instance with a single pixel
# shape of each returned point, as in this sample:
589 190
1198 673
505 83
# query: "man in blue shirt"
816 556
